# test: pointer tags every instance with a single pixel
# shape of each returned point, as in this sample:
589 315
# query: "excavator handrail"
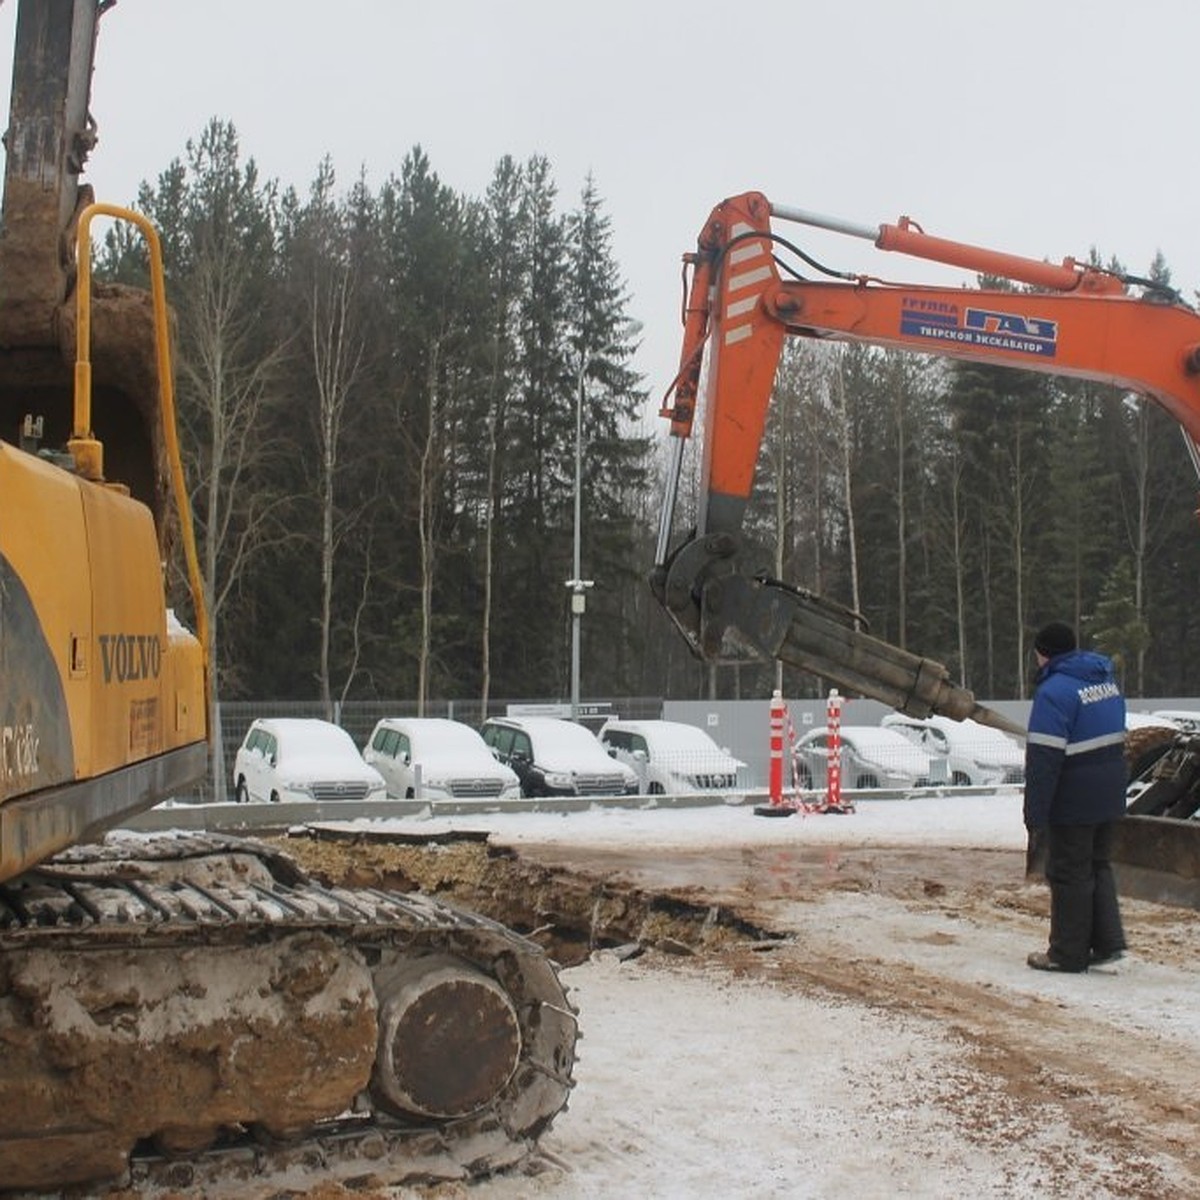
83 446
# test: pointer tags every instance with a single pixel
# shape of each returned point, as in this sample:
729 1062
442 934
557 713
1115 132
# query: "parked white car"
973 755
298 759
671 757
872 757
1180 718
555 757
432 758
1143 720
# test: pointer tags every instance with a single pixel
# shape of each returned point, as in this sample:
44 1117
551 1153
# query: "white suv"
671 757
431 758
291 758
973 755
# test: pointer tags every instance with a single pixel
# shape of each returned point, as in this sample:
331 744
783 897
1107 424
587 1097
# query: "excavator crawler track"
194 1011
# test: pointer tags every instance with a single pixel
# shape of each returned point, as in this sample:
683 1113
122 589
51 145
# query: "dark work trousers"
1084 915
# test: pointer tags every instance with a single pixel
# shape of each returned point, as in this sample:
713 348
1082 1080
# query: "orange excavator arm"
739 310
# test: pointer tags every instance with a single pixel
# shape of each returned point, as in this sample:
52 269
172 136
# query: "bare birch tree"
220 219
337 355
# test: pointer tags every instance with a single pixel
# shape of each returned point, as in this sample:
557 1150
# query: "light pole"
577 585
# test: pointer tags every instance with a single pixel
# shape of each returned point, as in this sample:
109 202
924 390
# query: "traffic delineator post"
833 770
784 806
777 806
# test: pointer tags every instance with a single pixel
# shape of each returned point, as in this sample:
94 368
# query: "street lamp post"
577 585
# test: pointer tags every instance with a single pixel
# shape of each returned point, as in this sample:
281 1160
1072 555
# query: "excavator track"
194 1012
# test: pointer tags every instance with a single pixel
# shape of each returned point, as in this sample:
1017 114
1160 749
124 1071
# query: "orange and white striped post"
775 772
833 771
778 717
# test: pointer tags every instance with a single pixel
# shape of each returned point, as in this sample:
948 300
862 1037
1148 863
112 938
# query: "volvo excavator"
1068 319
185 1011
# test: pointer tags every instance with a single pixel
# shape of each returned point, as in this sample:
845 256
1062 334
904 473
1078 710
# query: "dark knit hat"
1055 638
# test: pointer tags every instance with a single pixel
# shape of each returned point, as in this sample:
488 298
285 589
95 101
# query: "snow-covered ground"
898 1045
986 821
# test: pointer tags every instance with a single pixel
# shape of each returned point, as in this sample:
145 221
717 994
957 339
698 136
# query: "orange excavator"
185 1012
1071 319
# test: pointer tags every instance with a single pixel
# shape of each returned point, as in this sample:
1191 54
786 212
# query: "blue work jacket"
1075 770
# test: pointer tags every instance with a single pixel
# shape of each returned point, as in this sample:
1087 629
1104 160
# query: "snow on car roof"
872 735
299 732
967 728
1140 720
556 727
441 733
669 735
1185 717
319 745
971 730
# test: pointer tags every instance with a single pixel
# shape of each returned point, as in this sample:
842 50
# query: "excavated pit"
571 910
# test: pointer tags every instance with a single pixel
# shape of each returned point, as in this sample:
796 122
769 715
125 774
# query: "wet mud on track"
934 934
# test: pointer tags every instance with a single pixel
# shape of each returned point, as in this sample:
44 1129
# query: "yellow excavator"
180 1010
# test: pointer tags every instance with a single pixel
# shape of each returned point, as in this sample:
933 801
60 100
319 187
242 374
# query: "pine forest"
378 392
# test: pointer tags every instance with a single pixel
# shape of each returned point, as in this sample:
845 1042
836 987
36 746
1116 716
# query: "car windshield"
676 737
883 745
868 735
315 741
560 733
442 738
562 745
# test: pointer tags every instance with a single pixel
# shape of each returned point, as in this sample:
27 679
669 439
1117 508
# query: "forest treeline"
379 389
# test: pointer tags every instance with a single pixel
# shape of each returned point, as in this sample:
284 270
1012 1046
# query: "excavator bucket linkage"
710 600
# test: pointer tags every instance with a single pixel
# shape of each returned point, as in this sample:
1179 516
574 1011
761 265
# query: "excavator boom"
738 315
1070 319
49 137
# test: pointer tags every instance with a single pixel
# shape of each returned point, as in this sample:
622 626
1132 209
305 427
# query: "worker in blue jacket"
1075 778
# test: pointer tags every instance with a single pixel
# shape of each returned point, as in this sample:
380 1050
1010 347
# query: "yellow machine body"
102 694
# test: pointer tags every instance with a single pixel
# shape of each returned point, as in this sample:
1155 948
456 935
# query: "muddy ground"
935 934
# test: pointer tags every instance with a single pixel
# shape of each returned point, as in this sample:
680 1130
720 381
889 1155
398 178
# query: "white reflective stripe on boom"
739 254
754 250
740 307
748 279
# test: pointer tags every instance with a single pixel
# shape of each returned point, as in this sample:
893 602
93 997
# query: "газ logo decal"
1015 333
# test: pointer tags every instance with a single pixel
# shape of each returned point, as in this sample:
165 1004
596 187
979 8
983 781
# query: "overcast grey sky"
1039 127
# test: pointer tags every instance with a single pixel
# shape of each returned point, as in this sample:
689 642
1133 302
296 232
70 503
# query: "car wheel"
242 793
409 794
803 777
867 781
960 779
656 789
274 797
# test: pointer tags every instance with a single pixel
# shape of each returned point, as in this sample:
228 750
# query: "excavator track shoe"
196 1008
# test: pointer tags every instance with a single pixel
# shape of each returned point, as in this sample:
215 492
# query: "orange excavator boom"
1081 321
